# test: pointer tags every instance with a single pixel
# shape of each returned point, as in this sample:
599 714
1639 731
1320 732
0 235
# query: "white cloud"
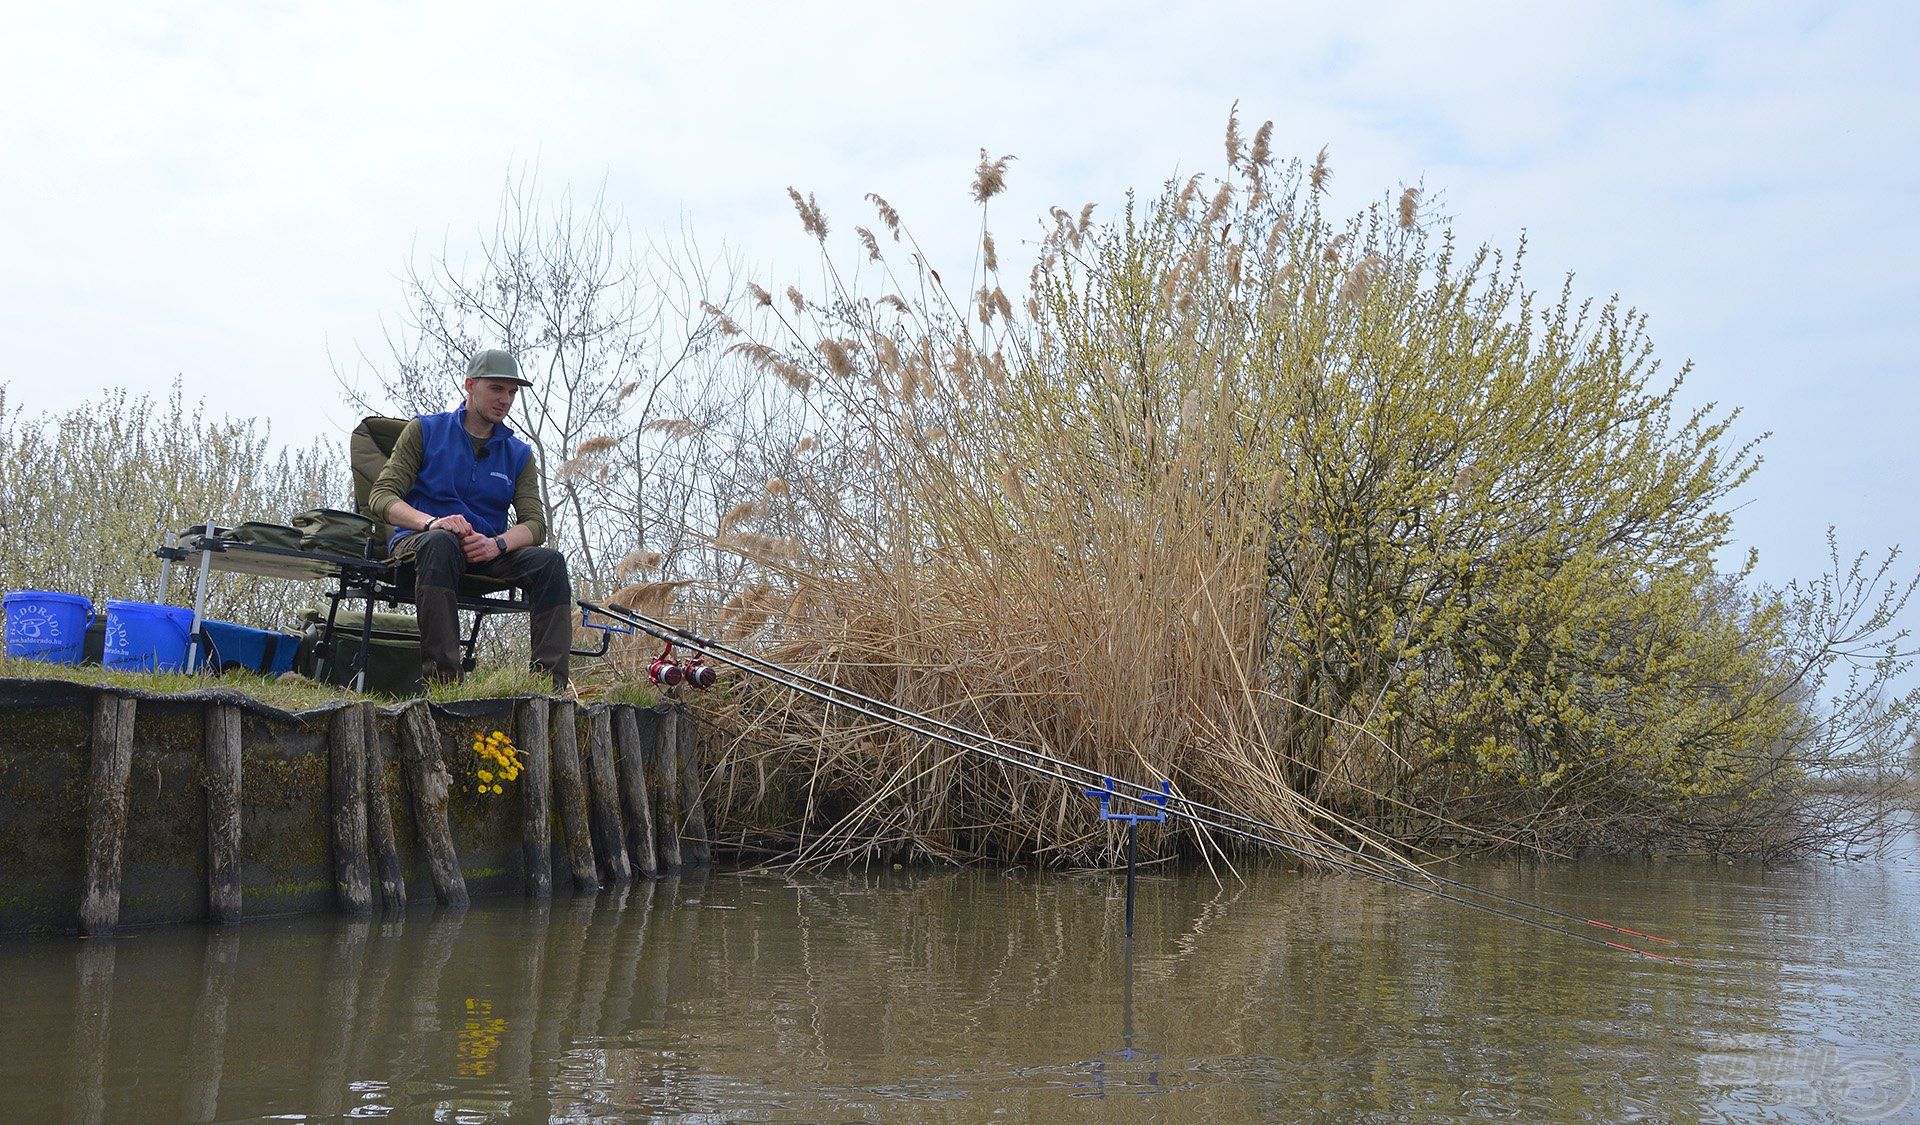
226 191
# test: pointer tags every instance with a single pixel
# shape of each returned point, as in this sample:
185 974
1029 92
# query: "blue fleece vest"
453 480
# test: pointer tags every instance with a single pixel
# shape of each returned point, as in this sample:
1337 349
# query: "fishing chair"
368 449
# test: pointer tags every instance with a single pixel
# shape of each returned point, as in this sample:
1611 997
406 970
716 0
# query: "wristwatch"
500 541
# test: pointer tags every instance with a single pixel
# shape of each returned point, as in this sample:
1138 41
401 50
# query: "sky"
228 193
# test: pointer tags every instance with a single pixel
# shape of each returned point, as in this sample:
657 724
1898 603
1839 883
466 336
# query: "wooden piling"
536 797
430 783
386 848
570 792
663 784
633 786
609 835
347 776
220 731
693 826
112 757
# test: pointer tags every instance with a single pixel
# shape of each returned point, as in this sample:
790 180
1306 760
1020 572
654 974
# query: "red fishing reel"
699 673
665 670
669 673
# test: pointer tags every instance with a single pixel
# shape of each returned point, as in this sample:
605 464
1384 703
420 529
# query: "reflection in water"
207 1033
1130 1060
955 996
92 1016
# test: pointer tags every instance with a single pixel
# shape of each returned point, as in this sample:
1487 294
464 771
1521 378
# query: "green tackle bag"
393 656
267 535
334 531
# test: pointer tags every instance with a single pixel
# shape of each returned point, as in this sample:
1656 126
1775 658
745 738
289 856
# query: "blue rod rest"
586 624
1107 794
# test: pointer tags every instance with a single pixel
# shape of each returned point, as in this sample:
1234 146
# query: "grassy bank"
297 693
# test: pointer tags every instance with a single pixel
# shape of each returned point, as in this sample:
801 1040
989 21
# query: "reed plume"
673 429
636 560
990 179
1409 208
739 513
812 220
887 214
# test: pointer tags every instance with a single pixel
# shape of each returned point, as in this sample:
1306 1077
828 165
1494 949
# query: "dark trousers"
439 564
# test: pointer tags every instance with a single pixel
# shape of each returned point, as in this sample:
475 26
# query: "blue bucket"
143 637
47 626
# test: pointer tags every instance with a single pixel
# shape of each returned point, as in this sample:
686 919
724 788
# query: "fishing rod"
1140 794
1192 811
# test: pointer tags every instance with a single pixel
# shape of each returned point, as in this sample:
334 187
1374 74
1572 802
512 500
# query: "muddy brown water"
966 996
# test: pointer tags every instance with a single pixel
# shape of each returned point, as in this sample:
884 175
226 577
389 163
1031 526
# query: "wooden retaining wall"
126 808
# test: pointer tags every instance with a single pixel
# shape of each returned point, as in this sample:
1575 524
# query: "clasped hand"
477 547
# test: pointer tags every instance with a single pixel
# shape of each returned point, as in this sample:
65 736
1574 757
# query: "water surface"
967 996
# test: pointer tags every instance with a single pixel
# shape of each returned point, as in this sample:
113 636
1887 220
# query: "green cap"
496 364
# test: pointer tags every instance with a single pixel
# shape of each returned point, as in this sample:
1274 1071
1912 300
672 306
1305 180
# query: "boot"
439 618
552 641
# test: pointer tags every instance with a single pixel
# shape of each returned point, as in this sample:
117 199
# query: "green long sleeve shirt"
397 478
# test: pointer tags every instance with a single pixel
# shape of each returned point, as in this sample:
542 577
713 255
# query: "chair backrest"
367 452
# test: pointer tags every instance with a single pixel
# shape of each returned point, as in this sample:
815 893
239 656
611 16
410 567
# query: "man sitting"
446 491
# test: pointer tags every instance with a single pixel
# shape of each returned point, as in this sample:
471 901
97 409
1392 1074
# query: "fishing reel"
699 673
665 670
668 672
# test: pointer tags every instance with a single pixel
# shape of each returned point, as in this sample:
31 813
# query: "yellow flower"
486 775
